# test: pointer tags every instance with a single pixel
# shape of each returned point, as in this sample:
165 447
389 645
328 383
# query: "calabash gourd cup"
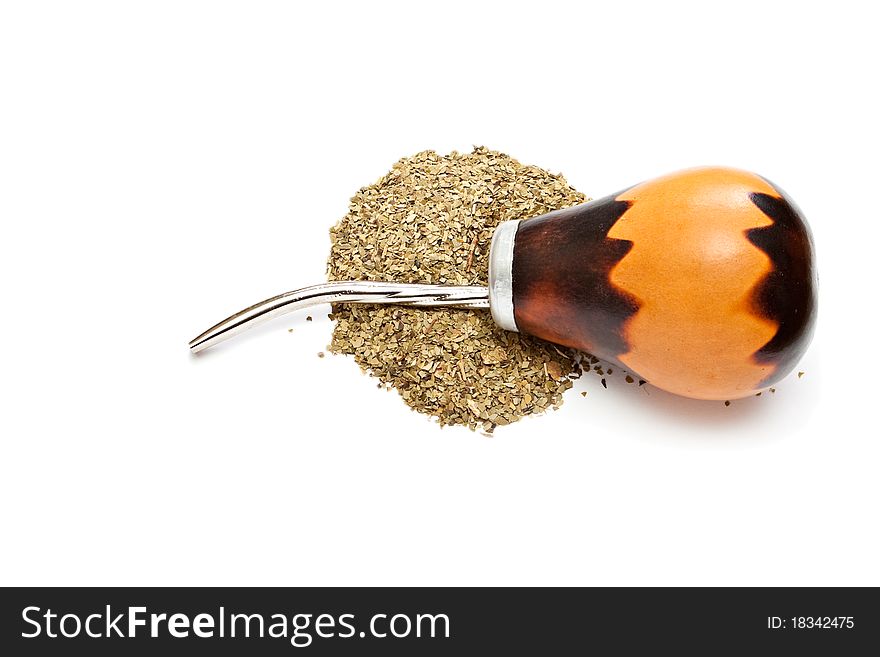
701 282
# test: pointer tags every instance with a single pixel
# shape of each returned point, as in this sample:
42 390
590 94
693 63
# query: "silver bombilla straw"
497 297
369 292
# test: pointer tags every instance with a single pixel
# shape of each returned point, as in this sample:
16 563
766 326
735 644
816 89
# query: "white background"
163 164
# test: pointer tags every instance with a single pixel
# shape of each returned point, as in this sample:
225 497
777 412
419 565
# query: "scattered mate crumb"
320 354
800 374
430 220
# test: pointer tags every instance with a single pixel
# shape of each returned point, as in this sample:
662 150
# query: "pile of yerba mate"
430 220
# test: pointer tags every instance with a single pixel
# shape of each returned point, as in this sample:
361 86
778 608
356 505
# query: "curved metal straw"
405 294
